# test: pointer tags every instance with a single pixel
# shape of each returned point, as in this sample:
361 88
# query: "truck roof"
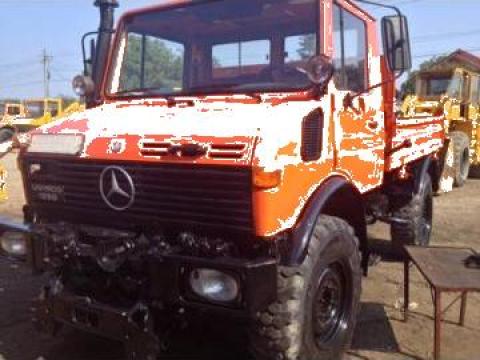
174 3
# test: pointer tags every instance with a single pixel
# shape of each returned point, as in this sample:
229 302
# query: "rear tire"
6 134
315 313
417 215
475 172
461 145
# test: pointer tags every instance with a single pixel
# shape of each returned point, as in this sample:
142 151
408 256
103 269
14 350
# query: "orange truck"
232 155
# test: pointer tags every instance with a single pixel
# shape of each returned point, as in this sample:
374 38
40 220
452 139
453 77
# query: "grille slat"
195 195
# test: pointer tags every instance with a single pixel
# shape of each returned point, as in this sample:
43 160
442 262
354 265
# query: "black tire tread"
405 233
6 134
460 142
276 334
474 171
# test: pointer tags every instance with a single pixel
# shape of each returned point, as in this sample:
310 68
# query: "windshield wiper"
227 88
139 91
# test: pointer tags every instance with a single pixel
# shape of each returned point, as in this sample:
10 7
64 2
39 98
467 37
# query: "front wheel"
315 312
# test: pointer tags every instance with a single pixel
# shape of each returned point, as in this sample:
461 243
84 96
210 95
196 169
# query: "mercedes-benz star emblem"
117 188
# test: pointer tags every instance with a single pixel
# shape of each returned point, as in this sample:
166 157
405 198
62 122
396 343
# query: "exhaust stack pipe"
105 31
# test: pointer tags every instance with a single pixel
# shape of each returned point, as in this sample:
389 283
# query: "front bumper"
167 288
134 326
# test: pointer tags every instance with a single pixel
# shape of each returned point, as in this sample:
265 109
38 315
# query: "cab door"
360 140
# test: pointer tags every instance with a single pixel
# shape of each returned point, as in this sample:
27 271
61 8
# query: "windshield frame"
122 30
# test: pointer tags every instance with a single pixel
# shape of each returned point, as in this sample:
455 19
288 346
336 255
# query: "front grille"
166 195
237 150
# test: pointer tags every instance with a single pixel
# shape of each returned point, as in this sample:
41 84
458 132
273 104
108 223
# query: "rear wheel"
315 312
475 171
6 134
461 145
416 216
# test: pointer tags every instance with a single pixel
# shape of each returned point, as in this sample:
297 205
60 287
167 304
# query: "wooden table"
445 271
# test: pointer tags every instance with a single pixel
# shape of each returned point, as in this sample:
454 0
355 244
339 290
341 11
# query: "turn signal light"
263 179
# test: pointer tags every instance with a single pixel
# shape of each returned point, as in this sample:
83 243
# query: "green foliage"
308 44
163 64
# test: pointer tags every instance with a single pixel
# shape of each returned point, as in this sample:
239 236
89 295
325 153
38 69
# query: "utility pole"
46 60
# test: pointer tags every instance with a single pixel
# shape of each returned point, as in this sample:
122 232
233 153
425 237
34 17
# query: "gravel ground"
380 334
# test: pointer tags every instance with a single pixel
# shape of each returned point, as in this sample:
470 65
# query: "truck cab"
228 164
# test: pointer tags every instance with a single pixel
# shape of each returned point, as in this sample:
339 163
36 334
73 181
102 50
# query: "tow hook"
141 342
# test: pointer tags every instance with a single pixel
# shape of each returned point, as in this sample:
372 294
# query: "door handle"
372 124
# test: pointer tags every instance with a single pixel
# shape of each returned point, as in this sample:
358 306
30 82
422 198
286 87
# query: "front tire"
461 145
315 313
416 216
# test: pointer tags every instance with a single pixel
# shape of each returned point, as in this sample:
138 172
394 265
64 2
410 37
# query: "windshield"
456 87
34 109
217 47
437 86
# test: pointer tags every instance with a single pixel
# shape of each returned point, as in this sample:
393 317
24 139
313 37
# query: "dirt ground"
381 333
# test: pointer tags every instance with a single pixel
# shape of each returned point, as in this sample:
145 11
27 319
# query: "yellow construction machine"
11 110
35 113
452 88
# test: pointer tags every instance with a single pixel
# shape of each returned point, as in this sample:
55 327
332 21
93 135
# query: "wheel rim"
330 304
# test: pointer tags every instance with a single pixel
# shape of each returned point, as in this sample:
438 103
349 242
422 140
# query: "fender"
336 197
429 166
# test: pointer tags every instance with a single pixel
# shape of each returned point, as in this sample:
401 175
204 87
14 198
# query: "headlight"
14 243
83 85
214 285
64 144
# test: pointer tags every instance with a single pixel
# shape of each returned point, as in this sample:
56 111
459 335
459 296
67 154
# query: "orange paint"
288 150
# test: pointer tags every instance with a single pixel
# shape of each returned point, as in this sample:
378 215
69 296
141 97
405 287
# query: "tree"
307 46
163 64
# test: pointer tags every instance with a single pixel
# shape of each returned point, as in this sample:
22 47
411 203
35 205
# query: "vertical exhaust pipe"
105 32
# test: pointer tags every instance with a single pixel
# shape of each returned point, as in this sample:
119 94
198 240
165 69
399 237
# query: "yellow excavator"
34 113
9 110
454 90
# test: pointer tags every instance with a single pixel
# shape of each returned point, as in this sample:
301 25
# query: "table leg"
463 308
438 324
406 288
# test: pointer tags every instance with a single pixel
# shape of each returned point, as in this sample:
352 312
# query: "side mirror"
83 85
396 43
319 70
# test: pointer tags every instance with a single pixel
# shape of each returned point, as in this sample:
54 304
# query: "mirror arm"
391 7
84 53
352 96
385 6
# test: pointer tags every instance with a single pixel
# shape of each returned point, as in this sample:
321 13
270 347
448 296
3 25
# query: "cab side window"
350 51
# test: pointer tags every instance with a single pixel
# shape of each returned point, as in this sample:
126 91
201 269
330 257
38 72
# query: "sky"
28 27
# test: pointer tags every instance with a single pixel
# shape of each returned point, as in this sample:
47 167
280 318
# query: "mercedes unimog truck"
229 162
